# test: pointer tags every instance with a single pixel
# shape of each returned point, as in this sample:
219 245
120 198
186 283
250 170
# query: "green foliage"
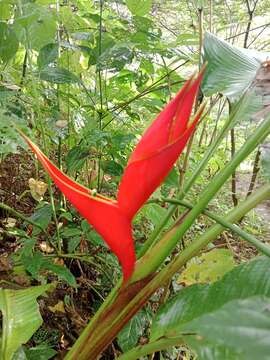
139 7
130 334
230 70
224 316
84 81
242 326
8 42
47 55
21 317
57 75
208 267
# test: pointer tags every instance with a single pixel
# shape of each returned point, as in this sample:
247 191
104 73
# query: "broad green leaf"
33 264
62 272
8 42
240 325
47 55
244 281
36 27
21 317
76 157
208 267
112 168
42 216
139 7
73 243
230 70
9 140
41 352
38 262
172 179
188 39
154 213
58 75
95 238
211 351
130 334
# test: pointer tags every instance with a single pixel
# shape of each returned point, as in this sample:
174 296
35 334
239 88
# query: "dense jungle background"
83 79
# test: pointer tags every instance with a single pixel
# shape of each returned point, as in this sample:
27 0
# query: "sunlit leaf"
8 42
139 7
208 267
230 70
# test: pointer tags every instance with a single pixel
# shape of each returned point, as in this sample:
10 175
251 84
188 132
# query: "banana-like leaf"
231 70
21 318
244 281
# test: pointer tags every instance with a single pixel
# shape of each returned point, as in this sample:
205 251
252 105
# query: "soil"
262 210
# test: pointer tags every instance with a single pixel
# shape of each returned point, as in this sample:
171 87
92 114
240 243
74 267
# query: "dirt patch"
262 210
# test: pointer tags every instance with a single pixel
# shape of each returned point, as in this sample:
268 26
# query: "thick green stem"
262 247
98 334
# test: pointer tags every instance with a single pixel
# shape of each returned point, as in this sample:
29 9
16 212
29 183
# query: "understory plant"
149 163
84 65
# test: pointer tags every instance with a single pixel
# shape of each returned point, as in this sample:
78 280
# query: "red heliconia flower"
148 165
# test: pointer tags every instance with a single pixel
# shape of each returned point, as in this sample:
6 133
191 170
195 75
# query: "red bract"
159 148
149 164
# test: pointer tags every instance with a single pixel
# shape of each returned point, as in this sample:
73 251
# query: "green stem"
100 112
20 216
150 348
96 336
263 248
49 182
156 255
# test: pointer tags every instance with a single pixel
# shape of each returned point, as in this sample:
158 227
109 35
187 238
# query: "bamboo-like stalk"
108 321
123 303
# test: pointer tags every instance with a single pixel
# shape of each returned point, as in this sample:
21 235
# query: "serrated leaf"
139 7
62 272
41 352
42 216
76 158
155 213
21 317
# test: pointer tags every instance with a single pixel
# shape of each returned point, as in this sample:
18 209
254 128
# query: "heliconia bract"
150 162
